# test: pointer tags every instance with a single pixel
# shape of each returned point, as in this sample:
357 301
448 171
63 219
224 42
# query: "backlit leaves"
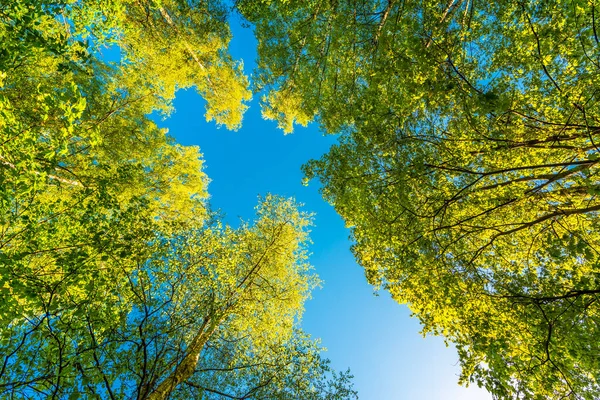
466 167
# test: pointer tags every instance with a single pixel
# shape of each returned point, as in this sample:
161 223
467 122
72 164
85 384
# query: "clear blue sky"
372 335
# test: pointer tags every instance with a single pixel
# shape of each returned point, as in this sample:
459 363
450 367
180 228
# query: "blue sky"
372 335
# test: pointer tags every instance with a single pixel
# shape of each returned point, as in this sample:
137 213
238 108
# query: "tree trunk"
185 369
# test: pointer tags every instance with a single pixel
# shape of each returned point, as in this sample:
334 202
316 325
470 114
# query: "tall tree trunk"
185 369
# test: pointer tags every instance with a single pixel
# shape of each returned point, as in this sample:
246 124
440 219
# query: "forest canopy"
466 167
117 280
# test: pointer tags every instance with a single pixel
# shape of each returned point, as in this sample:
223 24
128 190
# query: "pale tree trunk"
185 369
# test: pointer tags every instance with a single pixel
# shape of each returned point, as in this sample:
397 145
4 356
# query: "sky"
362 330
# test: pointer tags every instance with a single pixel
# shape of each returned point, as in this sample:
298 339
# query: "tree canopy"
466 167
209 314
116 278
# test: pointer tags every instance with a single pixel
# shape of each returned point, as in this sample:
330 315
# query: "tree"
116 279
466 167
210 314
87 178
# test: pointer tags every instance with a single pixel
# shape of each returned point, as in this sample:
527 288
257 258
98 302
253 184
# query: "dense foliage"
466 166
116 279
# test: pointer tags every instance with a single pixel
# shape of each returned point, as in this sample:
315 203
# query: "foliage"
467 168
165 46
116 280
87 179
209 314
